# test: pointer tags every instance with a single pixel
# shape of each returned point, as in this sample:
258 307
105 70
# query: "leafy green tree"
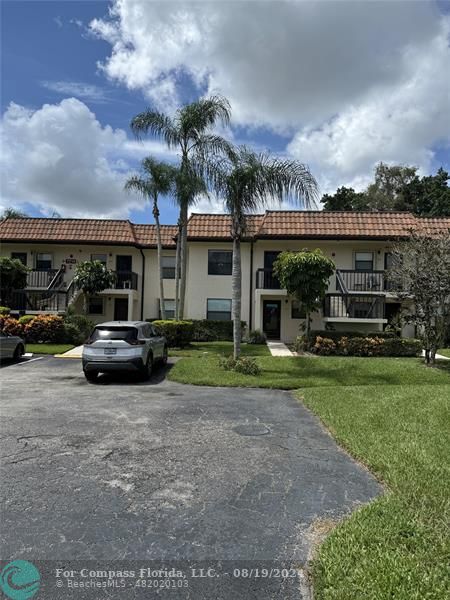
428 196
189 132
305 276
13 276
157 178
421 271
344 199
12 213
387 189
92 277
246 181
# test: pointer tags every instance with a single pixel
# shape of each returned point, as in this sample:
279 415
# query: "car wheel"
165 356
148 369
19 352
91 376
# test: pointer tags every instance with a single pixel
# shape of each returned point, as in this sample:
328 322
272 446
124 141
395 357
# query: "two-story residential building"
359 243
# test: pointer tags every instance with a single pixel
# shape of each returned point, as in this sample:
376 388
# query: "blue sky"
325 92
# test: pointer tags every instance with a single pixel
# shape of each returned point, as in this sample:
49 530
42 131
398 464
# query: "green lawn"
205 348
392 414
296 372
397 547
444 352
48 348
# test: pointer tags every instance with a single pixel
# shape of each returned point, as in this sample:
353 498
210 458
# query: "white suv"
123 346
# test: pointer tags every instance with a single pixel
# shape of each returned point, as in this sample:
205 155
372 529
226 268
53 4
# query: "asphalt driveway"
159 472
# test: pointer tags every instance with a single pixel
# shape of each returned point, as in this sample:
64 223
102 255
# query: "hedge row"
181 333
34 329
367 346
337 335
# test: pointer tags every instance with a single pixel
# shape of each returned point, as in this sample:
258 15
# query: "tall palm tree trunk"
236 291
177 273
183 256
162 308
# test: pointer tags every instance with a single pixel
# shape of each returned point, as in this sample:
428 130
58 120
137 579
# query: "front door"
120 309
272 318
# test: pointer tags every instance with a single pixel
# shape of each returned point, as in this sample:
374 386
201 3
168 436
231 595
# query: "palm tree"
157 179
247 181
189 131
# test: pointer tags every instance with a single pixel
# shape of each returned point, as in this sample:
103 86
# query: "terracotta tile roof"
273 224
321 224
68 230
215 226
146 235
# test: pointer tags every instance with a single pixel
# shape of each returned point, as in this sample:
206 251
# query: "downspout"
250 312
143 281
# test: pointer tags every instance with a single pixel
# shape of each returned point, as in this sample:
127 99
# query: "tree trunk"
85 302
159 253
183 256
177 274
236 291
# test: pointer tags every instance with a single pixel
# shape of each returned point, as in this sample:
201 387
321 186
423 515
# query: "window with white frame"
103 258
363 261
95 305
44 261
169 308
218 309
168 267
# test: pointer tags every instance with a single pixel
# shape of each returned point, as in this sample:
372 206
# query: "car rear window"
114 333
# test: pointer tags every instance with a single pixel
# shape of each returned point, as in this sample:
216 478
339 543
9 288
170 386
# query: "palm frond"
157 124
139 185
197 117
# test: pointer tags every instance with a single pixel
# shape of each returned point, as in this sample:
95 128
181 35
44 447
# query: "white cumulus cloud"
60 158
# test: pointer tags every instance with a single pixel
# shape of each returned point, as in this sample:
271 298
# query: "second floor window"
95 305
220 262
297 310
168 267
44 262
364 261
218 309
103 258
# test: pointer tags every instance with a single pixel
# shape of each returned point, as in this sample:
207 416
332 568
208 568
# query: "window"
218 309
44 262
95 306
220 262
22 256
364 261
103 258
168 267
297 310
169 307
114 333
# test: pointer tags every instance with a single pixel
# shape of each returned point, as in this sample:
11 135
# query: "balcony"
360 281
125 280
359 307
32 301
266 280
40 279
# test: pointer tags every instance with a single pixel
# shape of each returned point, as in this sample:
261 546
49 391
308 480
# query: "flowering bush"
367 346
324 346
45 328
10 326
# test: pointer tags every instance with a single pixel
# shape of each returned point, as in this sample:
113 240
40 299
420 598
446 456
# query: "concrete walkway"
74 353
439 356
278 348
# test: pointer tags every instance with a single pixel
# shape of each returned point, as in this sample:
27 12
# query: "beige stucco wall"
151 284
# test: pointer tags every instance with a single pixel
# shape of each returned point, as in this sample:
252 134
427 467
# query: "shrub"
25 319
4 311
77 328
243 364
177 333
367 346
11 326
256 336
213 331
324 346
337 335
300 344
45 328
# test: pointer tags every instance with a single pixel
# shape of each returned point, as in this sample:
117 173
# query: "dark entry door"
120 309
272 318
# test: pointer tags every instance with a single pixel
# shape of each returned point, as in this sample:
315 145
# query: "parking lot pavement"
129 471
